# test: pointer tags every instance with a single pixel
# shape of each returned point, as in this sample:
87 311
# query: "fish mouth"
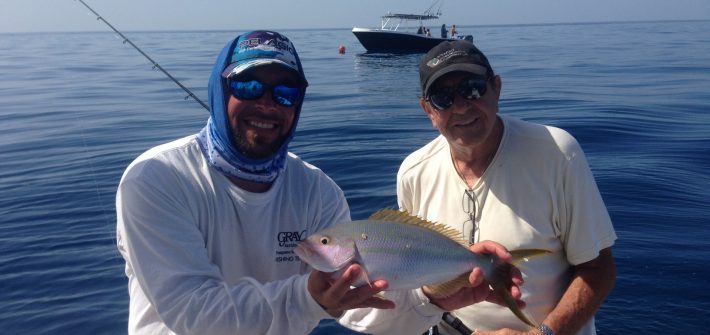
303 251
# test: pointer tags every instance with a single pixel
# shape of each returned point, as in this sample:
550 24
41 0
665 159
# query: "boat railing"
385 23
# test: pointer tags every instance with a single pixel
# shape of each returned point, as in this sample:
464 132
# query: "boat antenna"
155 64
430 10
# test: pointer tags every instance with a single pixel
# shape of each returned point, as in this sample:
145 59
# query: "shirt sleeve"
165 253
585 226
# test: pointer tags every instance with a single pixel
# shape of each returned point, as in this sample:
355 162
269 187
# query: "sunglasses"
253 89
471 88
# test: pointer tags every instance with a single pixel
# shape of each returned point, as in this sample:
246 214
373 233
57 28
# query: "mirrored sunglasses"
471 88
253 89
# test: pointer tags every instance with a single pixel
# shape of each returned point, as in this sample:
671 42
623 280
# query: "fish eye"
324 240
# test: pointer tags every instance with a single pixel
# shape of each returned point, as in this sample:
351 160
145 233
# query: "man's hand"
477 289
337 296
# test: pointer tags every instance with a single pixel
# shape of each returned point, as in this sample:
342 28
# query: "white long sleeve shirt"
206 257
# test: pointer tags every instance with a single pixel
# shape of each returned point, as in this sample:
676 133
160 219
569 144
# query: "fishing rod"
155 64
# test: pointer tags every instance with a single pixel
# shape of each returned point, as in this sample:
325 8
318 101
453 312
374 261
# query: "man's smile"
261 124
466 123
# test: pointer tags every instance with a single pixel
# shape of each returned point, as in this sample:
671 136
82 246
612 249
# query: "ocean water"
76 108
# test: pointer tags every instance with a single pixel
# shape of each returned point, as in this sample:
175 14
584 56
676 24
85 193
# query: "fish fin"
363 278
367 278
447 289
393 215
524 255
498 283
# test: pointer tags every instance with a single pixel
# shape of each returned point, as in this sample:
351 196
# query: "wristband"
545 330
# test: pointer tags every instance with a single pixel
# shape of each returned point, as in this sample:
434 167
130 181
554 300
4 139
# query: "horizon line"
349 28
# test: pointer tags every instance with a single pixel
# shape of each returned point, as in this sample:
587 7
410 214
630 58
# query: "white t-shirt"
537 193
204 256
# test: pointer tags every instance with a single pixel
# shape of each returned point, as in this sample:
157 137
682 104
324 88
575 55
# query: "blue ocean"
76 108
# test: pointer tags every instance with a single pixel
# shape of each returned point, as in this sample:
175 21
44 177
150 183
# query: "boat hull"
390 41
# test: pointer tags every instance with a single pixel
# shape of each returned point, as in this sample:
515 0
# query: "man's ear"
428 110
497 85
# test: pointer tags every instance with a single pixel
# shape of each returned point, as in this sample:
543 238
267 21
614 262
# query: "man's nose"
267 100
461 105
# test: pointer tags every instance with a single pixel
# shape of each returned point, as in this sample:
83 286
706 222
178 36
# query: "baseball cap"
452 56
263 47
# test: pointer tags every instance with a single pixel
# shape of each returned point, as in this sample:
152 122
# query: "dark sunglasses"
471 88
253 89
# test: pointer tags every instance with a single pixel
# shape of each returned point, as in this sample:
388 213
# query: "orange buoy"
341 49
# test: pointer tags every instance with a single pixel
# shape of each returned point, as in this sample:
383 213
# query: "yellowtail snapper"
408 252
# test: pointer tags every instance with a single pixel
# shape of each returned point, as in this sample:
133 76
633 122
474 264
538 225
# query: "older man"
524 185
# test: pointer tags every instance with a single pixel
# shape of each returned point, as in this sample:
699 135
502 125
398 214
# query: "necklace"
474 178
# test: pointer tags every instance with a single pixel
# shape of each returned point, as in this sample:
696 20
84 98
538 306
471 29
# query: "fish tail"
497 281
500 279
501 290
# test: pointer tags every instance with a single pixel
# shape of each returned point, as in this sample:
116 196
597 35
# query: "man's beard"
258 149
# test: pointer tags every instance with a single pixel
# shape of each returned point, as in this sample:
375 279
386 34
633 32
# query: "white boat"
397 35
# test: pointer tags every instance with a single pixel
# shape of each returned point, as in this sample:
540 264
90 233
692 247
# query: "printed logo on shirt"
288 240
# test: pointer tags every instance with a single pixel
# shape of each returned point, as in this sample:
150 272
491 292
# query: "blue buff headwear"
248 50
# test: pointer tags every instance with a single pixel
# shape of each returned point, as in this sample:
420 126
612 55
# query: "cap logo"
262 44
274 44
433 62
445 56
249 43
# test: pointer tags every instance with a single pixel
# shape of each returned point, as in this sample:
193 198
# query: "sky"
161 15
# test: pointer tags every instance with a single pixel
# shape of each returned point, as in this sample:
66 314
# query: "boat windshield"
392 21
